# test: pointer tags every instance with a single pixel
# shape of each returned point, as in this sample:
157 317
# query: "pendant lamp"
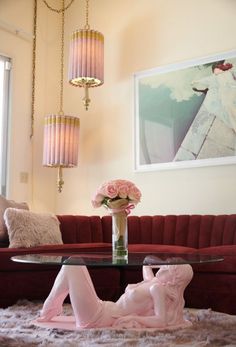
61 132
61 142
86 59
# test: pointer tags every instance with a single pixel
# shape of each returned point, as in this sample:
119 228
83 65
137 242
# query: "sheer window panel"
5 68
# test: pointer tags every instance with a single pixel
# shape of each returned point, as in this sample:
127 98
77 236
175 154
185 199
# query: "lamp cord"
33 101
33 70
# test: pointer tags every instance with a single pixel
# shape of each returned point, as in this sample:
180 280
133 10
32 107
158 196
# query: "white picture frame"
185 114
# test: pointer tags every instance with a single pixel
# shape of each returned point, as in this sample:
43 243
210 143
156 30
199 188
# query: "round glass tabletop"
106 259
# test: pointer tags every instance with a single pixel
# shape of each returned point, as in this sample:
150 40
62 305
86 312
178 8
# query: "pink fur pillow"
30 229
4 204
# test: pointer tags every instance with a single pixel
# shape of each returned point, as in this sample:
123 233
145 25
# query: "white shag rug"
211 329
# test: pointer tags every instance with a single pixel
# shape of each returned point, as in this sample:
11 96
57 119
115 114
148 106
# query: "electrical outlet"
24 176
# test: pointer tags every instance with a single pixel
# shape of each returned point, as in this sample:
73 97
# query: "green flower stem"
119 235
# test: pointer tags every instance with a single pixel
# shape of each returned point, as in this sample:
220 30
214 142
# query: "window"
5 66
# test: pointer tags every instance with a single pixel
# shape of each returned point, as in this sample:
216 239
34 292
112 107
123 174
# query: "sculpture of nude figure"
156 302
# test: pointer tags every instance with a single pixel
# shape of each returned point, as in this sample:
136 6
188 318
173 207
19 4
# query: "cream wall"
47 101
25 153
18 14
139 35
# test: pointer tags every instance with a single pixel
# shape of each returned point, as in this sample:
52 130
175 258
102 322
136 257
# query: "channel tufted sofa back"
196 231
81 229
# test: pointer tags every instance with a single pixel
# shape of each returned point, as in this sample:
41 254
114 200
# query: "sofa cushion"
4 204
6 264
228 265
160 248
36 285
212 290
28 229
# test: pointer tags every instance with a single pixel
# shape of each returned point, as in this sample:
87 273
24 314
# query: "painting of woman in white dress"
186 113
220 90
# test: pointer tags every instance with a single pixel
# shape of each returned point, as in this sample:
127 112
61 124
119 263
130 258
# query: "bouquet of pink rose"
119 196
116 194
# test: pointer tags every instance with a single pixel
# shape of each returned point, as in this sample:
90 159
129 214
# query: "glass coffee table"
106 259
156 302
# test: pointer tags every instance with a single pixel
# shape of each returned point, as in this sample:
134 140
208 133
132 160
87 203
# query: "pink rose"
123 190
110 190
97 200
134 194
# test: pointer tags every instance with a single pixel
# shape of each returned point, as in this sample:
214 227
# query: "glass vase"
119 236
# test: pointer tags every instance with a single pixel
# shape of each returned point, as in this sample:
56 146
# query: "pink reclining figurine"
156 302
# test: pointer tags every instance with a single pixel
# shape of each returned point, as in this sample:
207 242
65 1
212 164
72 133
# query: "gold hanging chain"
62 56
63 9
33 70
87 27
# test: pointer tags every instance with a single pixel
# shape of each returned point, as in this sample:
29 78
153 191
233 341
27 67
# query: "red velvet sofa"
213 285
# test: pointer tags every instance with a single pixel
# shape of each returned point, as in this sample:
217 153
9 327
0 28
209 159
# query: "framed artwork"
185 114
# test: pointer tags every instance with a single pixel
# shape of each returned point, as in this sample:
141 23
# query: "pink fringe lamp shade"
86 60
61 143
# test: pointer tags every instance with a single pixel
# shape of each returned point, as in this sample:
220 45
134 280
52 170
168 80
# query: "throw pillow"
30 229
4 204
